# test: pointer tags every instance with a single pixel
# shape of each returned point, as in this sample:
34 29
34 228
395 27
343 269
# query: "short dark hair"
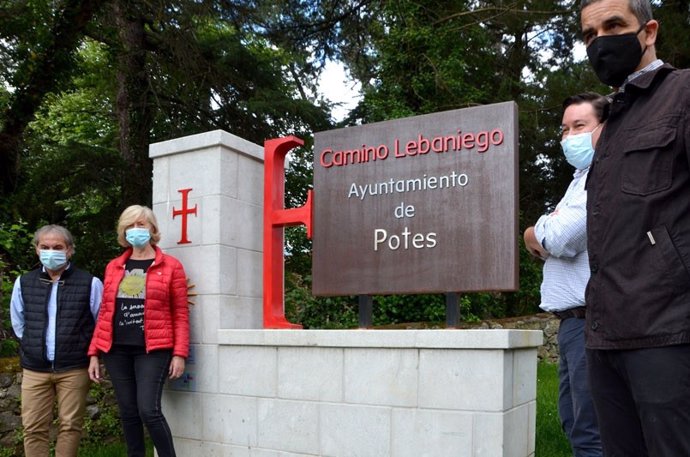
642 9
599 102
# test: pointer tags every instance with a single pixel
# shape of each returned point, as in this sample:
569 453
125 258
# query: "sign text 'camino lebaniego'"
421 204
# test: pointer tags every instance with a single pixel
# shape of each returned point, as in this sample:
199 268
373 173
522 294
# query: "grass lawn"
110 450
550 441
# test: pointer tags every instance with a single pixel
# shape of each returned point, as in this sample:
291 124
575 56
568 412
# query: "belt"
577 313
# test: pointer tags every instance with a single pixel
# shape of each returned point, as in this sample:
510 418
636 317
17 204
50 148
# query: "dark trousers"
575 405
138 380
642 398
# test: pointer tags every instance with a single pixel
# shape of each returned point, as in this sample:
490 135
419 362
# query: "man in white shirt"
53 311
560 238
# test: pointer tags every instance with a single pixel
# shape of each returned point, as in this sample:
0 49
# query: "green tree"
87 86
149 71
38 44
673 42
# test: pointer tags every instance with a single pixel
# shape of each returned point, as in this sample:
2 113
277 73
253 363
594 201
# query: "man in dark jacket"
53 311
638 232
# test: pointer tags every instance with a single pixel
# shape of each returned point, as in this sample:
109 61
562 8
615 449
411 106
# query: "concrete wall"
407 393
250 392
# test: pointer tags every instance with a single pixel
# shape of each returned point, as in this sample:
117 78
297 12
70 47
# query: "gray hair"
642 9
53 228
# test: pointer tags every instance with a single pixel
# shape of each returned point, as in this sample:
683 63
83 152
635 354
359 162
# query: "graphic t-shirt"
129 308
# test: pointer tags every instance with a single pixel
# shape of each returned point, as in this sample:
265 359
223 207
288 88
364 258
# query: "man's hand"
533 246
95 369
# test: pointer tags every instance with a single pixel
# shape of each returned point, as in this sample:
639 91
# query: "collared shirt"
17 310
651 67
563 234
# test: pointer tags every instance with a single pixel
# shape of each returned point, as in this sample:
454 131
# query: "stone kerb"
427 374
367 393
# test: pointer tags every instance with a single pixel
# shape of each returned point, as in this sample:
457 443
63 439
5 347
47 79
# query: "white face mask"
52 259
137 236
578 149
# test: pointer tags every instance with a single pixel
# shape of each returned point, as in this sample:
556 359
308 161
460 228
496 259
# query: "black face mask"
614 57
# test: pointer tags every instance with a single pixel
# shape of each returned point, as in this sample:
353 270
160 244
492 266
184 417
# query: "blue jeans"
575 405
138 380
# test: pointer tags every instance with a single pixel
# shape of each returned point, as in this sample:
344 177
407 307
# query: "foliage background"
87 85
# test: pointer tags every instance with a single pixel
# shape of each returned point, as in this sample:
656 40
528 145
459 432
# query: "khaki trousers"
39 391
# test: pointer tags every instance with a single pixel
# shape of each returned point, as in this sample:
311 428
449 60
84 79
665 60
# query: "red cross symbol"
184 212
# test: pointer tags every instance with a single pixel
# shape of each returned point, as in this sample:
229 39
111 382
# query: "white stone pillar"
222 257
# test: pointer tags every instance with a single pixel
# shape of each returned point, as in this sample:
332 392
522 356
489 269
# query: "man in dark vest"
53 309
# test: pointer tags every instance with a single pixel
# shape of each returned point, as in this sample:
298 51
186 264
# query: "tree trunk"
134 114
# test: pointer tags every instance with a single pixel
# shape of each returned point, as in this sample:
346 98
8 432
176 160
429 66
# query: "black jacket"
74 321
638 217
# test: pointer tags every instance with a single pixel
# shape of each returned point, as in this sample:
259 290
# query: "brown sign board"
423 204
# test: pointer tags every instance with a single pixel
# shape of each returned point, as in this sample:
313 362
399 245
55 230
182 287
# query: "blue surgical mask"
138 236
578 149
53 259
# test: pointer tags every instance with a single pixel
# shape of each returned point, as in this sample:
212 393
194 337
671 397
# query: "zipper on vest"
45 328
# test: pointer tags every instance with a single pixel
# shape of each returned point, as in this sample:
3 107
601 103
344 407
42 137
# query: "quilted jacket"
166 313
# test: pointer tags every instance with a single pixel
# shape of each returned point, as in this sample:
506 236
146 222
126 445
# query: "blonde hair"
129 216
